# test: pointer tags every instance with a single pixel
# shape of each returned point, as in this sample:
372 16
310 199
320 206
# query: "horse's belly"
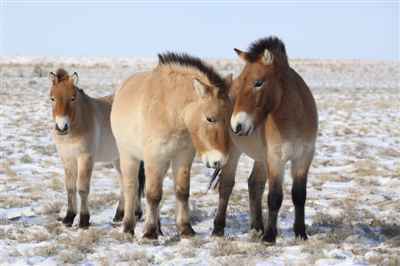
252 145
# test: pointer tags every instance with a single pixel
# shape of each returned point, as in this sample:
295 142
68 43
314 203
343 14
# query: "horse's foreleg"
85 166
275 169
70 169
155 172
181 170
256 184
226 183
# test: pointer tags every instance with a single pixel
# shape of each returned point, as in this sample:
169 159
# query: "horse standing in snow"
82 134
163 117
274 121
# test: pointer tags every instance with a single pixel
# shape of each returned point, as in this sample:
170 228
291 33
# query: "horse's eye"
258 83
211 119
73 99
52 99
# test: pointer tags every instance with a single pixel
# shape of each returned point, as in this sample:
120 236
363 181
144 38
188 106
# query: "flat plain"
353 205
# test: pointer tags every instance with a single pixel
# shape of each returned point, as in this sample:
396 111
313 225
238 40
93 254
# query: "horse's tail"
142 179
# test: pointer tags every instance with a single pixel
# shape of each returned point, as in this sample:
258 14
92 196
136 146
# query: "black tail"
214 177
142 179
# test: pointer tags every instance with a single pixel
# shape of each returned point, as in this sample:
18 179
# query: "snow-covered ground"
353 205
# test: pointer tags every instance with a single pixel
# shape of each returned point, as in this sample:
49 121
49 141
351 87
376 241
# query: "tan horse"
163 117
82 134
274 121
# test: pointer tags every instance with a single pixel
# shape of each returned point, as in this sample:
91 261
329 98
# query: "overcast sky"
341 30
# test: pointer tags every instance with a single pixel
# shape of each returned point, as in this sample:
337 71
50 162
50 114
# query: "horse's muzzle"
62 131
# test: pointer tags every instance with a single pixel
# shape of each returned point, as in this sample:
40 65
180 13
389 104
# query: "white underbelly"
251 145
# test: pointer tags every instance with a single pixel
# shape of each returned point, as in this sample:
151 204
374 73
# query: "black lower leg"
274 204
84 220
69 218
299 193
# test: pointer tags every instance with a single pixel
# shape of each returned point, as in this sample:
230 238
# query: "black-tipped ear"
241 54
75 78
53 77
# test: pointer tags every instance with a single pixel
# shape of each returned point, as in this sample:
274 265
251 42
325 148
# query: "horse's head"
63 96
259 88
208 122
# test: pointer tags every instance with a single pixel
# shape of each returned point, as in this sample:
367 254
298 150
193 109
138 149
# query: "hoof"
128 227
119 215
300 231
84 221
218 231
151 233
187 230
270 235
139 214
259 227
69 219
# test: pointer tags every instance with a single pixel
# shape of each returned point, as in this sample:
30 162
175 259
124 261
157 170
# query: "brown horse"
82 134
163 117
274 121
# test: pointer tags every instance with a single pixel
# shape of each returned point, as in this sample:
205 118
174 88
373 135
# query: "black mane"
273 44
61 74
195 62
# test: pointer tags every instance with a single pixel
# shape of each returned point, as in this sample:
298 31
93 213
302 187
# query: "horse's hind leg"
256 185
129 170
155 172
226 183
70 168
275 169
85 166
299 171
119 213
181 170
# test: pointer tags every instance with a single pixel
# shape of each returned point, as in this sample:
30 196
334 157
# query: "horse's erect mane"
61 74
273 44
196 63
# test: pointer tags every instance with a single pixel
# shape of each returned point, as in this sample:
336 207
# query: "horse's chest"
70 150
252 146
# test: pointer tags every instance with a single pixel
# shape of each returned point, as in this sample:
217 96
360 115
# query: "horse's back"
105 146
305 107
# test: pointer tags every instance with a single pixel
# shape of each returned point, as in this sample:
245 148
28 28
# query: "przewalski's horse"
163 117
82 134
274 121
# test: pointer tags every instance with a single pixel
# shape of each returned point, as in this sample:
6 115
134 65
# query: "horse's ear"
267 57
53 77
241 54
200 88
75 78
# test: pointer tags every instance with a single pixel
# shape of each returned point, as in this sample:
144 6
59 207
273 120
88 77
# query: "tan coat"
163 117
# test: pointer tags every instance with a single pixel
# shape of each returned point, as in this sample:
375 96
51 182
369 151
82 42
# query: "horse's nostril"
217 164
238 128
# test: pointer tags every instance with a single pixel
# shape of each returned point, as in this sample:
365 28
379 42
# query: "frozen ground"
353 206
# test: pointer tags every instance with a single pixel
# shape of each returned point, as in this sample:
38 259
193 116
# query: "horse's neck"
82 112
